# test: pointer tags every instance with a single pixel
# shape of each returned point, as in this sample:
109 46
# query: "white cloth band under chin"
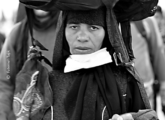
85 61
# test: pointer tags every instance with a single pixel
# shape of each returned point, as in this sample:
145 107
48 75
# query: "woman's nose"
83 37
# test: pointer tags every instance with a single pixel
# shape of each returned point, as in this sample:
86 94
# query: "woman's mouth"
82 50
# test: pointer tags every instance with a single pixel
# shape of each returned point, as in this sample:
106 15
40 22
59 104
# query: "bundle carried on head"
67 4
124 9
118 11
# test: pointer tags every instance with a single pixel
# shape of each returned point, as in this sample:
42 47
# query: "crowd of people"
90 72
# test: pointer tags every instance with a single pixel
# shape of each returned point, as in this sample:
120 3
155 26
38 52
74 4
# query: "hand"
126 116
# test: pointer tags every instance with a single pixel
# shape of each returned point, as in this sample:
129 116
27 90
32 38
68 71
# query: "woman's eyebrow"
73 23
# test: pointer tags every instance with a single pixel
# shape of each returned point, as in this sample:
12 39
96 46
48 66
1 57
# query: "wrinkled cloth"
61 83
32 94
76 62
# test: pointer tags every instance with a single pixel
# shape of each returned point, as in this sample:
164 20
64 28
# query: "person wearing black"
86 82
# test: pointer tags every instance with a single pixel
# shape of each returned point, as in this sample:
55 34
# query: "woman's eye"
94 28
73 26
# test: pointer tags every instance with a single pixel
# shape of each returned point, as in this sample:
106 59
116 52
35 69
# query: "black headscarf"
91 86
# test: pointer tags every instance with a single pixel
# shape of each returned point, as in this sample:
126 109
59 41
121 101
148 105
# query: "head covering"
112 33
67 4
92 17
125 11
83 100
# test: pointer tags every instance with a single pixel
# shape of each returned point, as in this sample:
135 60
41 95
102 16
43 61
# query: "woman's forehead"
83 24
92 17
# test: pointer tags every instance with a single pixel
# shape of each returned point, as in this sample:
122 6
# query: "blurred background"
8 9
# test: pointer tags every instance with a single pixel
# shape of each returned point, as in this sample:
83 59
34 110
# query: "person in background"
160 21
44 27
157 56
142 60
149 54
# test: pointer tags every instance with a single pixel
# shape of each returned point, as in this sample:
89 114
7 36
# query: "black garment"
83 100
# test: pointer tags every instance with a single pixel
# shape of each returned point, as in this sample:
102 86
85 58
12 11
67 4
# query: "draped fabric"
50 5
83 101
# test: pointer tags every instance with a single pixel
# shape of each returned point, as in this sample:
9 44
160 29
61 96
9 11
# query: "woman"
87 83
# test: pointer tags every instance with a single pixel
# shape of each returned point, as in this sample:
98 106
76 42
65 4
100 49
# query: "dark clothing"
83 94
93 87
62 84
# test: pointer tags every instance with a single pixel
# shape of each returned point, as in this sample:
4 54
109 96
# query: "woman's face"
83 38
